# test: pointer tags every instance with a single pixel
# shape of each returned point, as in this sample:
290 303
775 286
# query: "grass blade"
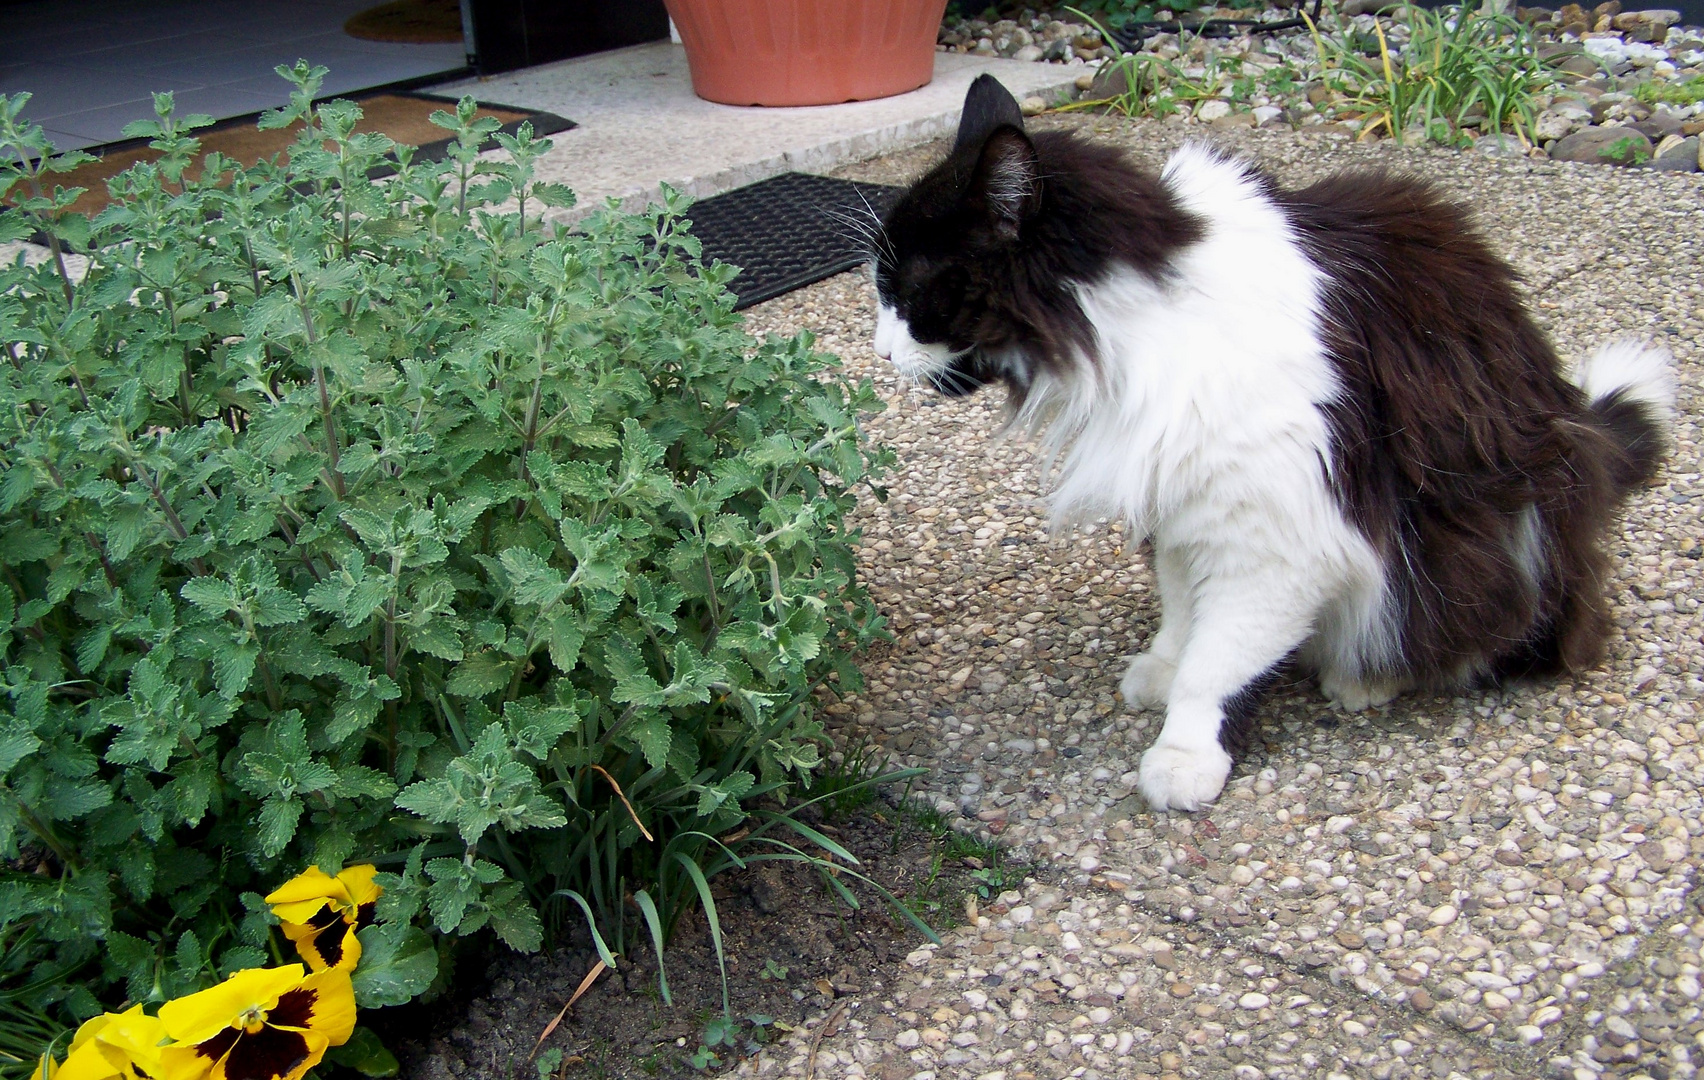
709 902
655 923
597 938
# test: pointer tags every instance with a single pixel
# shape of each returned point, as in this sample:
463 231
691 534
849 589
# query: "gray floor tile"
193 52
59 89
93 65
65 140
107 124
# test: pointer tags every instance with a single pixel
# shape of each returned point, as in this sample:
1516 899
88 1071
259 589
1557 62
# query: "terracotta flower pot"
807 52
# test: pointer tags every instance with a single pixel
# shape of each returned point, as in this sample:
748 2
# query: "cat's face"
945 255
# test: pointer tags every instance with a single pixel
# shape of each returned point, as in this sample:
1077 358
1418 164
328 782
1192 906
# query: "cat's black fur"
1454 417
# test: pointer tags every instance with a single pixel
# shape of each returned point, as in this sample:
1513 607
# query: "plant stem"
337 485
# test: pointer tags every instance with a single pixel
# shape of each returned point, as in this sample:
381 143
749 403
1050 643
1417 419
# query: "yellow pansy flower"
259 1024
321 913
112 1046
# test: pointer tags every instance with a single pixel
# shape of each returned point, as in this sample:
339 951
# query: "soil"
792 949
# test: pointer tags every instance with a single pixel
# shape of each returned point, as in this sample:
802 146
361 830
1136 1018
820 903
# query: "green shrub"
345 520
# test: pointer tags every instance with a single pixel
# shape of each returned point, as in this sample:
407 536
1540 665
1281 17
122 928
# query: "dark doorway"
508 34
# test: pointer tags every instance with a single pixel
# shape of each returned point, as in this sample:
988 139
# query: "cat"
1348 442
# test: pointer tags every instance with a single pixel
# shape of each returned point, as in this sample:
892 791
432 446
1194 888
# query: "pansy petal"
272 1054
324 1003
337 948
298 899
136 1037
90 1028
198 1061
319 942
358 880
199 1017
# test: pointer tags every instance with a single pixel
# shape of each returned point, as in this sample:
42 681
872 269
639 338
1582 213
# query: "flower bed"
492 570
1602 85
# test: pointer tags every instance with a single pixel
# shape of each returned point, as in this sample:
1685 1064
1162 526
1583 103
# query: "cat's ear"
988 107
1008 181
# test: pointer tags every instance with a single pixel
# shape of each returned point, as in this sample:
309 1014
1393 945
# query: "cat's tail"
1629 388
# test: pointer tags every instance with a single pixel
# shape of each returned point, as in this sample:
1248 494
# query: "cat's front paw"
1147 682
1354 695
1180 778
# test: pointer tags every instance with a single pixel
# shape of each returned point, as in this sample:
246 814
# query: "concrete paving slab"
641 125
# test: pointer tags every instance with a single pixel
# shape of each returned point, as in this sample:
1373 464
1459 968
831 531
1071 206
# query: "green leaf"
277 824
480 674
653 735
397 965
364 1052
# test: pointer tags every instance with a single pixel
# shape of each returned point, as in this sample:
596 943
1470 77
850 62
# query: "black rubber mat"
789 230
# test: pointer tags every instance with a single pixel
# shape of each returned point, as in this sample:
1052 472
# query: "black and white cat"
1348 442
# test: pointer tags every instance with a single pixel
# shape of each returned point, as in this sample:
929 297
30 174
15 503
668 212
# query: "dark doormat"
789 231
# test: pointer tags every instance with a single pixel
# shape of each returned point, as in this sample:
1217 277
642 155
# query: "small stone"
1214 109
1181 989
1442 915
1530 1035
1682 155
1028 54
1421 1000
1619 1032
1033 106
1553 125
1253 1001
908 1039
1085 81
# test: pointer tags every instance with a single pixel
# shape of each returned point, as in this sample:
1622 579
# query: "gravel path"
1494 885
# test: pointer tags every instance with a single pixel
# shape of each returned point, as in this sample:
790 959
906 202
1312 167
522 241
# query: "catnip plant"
375 521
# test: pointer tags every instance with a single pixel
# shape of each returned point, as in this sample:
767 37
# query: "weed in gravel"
1460 67
1690 92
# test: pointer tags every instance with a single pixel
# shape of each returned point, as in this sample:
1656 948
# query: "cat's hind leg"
1244 625
1147 681
1356 694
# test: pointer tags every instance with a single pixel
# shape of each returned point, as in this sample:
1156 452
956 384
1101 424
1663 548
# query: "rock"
1421 1000
1253 1001
1506 145
1582 65
1658 126
1681 154
1553 125
1443 915
1618 1031
1604 146
1610 50
1028 53
1085 81
1266 114
1033 106
1108 82
1215 109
